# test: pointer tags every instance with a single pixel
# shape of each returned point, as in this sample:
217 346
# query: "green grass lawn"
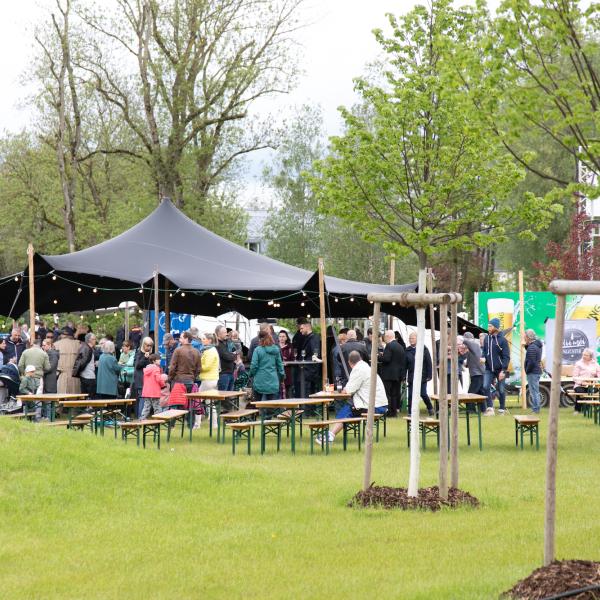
89 517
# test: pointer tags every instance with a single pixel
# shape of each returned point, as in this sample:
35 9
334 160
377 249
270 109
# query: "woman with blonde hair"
586 368
140 363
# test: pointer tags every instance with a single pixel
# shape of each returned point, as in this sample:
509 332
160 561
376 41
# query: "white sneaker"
489 412
318 439
501 412
331 437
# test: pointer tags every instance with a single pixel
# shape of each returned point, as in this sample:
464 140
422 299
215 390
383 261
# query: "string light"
81 317
351 299
53 277
308 316
271 303
16 278
249 298
336 300
229 296
141 291
170 295
218 304
304 293
97 316
95 290
183 294
114 314
213 293
55 301
79 289
301 303
393 304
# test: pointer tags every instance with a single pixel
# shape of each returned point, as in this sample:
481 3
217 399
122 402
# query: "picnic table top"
464 398
589 402
50 397
291 402
332 395
97 403
172 413
215 395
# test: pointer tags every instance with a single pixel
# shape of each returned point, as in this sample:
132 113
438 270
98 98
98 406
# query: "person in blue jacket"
533 367
497 356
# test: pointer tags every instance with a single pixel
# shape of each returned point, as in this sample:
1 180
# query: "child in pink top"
154 381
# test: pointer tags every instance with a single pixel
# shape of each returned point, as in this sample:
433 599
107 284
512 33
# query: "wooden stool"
426 427
245 429
148 426
524 423
237 416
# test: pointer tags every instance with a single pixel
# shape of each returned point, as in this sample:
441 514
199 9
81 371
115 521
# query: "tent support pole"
390 318
522 347
167 308
156 308
323 323
126 322
31 295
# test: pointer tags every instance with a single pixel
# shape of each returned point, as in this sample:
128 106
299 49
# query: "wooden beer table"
464 400
53 399
214 399
98 406
291 404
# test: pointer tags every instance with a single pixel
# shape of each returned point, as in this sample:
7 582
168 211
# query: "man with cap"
533 367
29 386
68 348
497 356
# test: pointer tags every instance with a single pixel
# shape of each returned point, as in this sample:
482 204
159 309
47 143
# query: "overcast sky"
336 46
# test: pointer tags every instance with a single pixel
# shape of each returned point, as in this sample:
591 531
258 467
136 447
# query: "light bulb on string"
55 301
16 278
249 298
301 303
218 304
336 300
183 294
79 289
53 277
95 290
213 293
351 299
229 296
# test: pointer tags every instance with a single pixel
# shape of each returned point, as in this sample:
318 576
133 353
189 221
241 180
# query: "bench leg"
537 437
516 434
249 441
355 427
344 436
408 434
521 437
233 436
468 427
423 436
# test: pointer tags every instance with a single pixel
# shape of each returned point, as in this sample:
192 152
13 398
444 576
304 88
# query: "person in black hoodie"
533 367
426 375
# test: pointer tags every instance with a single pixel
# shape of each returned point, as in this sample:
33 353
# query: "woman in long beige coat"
68 348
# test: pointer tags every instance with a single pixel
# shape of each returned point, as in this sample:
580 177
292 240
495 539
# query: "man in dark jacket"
497 356
310 344
533 367
353 345
393 371
227 358
15 346
426 374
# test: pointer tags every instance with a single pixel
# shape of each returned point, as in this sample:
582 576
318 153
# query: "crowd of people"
73 360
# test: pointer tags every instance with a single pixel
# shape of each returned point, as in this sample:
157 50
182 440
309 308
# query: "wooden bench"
378 418
524 423
591 408
322 428
237 416
170 418
245 429
20 415
147 426
286 417
76 423
427 426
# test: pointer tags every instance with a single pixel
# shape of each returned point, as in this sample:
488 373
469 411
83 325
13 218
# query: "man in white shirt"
359 385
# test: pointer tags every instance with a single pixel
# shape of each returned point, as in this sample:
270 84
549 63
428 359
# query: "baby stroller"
9 388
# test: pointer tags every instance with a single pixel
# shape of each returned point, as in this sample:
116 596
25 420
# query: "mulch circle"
428 498
557 578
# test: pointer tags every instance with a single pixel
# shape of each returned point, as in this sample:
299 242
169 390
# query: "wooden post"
156 309
432 329
167 308
371 409
454 399
522 347
552 442
323 322
126 322
31 295
443 402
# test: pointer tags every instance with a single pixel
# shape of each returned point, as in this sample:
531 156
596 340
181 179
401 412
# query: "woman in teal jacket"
266 368
108 372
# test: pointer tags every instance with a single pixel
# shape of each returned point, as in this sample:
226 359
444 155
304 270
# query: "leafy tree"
546 65
576 257
422 172
197 67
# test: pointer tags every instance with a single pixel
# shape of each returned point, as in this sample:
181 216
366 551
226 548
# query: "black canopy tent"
199 273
